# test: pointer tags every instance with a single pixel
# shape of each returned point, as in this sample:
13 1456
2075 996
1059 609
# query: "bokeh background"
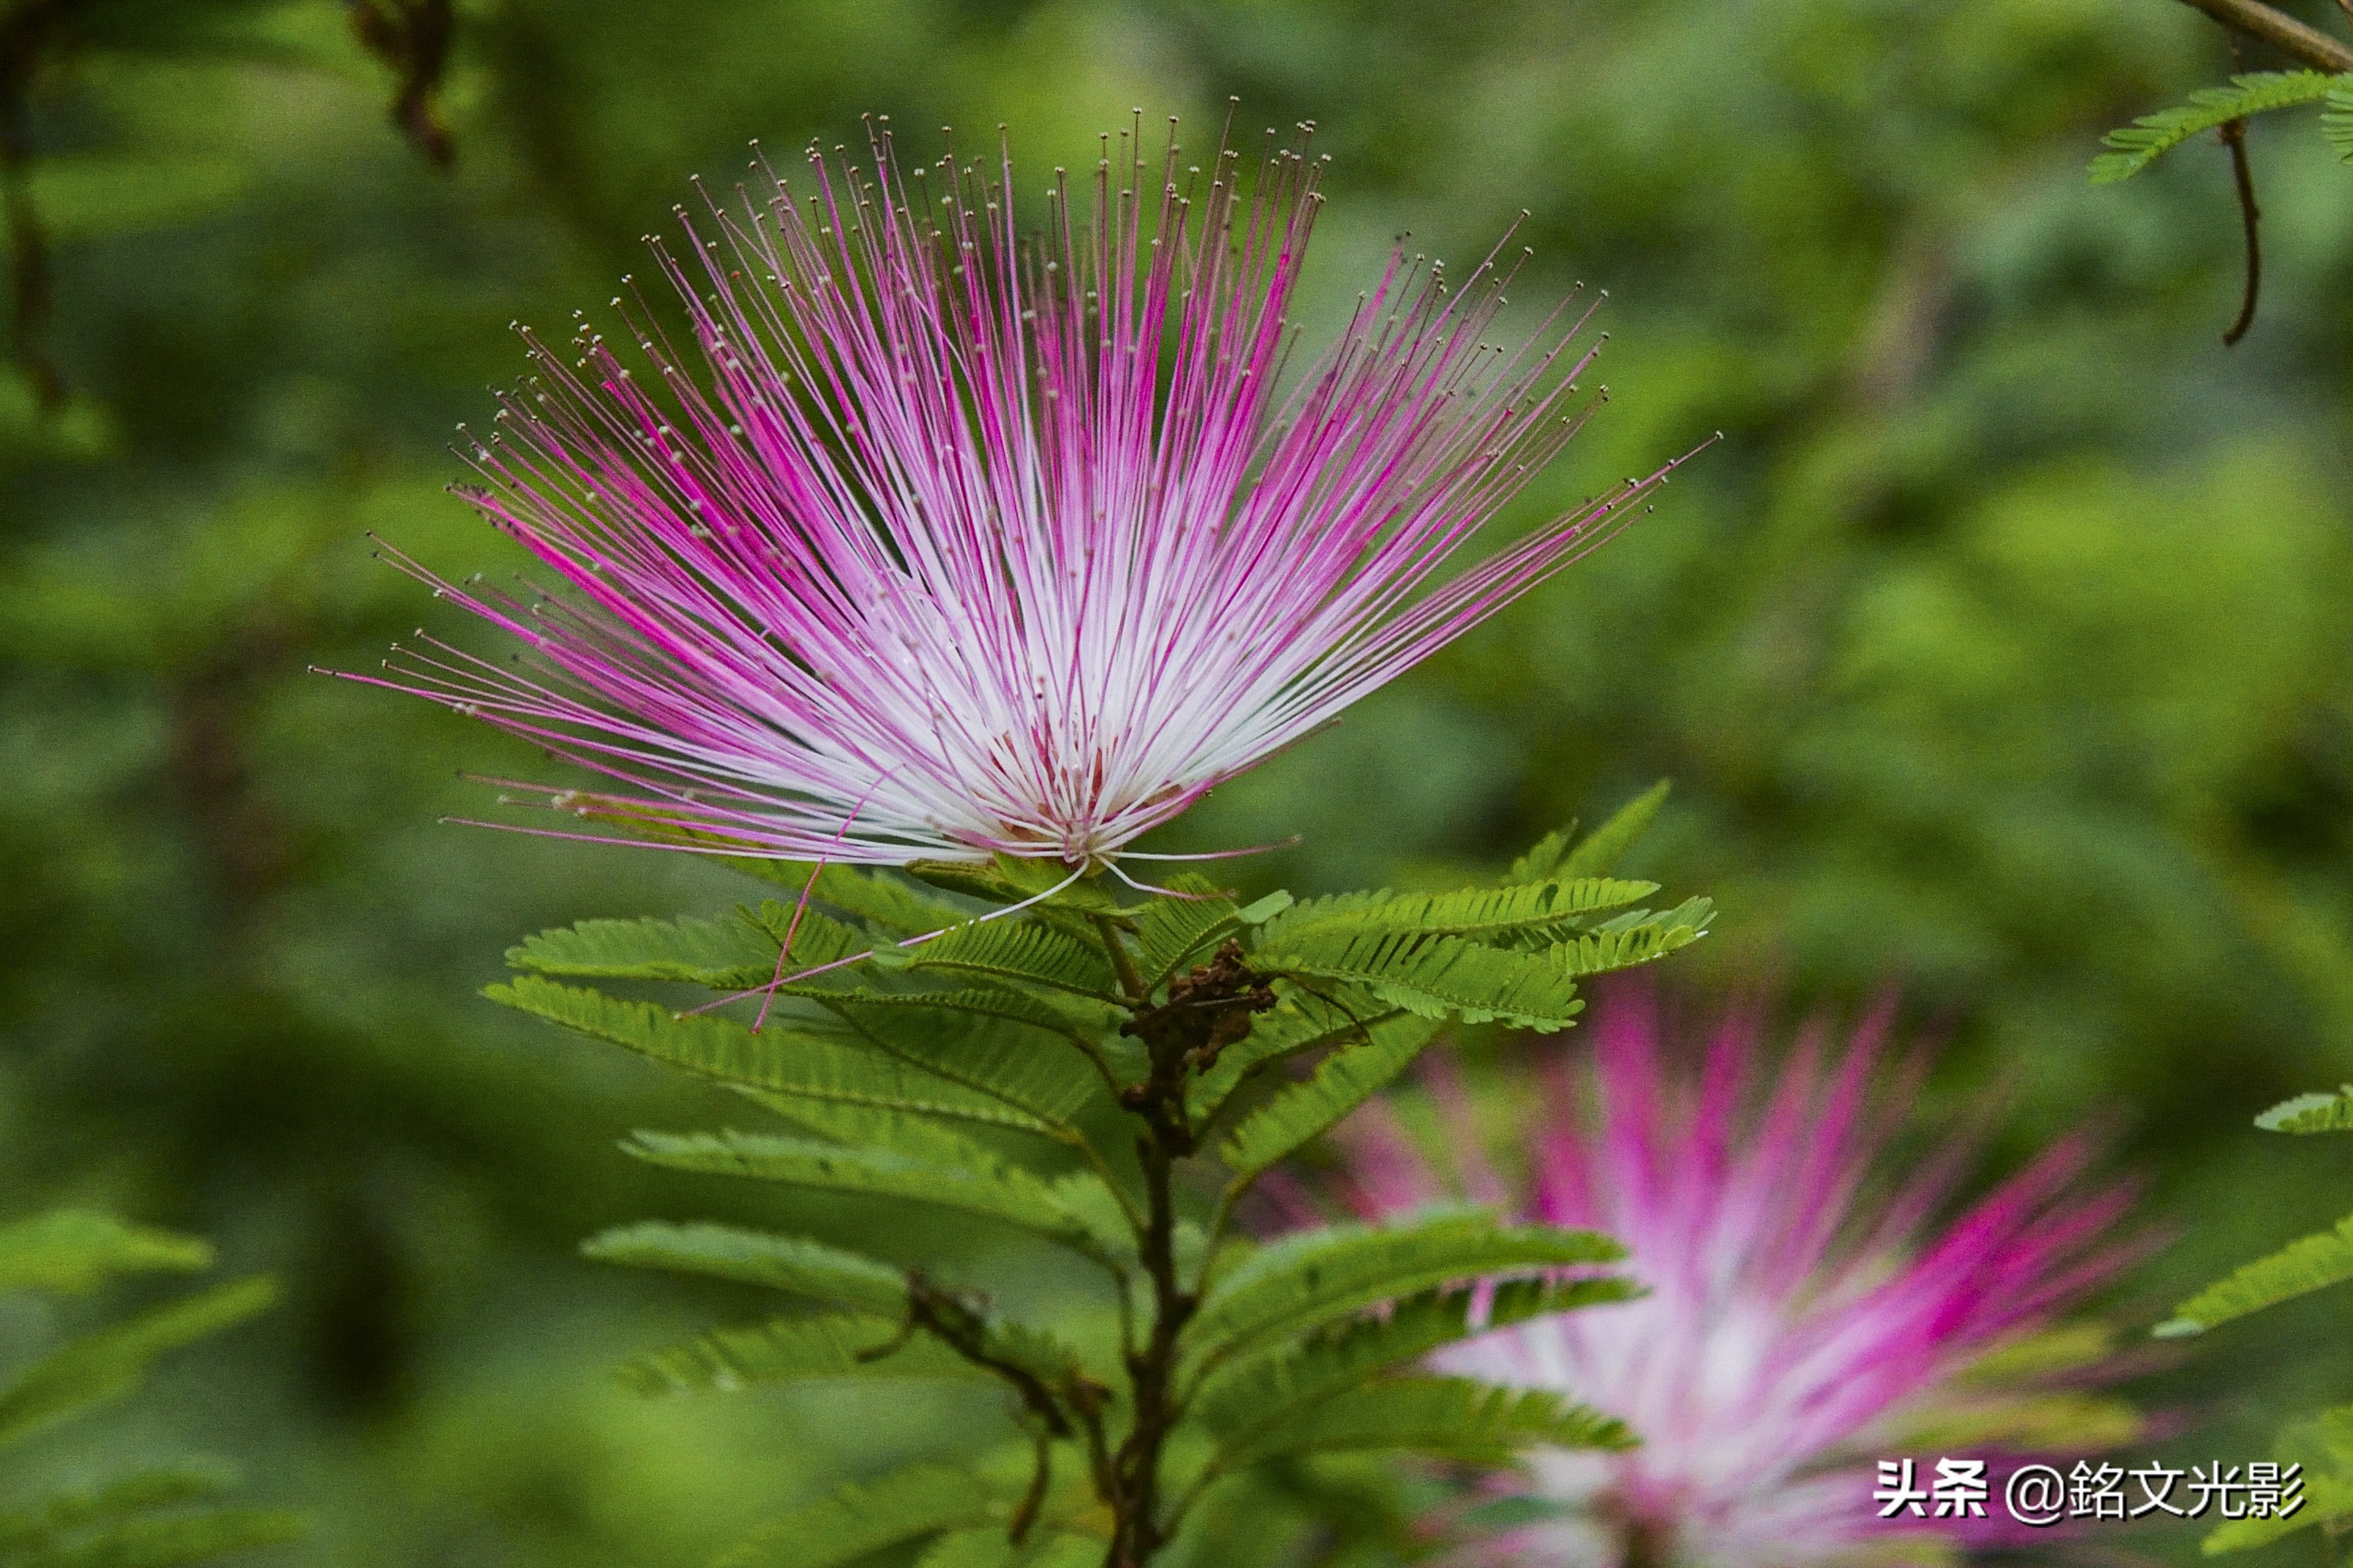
2002 651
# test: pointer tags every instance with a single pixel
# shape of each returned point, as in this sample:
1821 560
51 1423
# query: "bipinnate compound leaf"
989 1187
788 1263
853 1522
2298 1269
780 1058
112 1363
798 1349
2135 147
1436 976
1273 1388
2311 1113
1452 1418
1313 1278
75 1249
1342 1081
1019 953
1017 1061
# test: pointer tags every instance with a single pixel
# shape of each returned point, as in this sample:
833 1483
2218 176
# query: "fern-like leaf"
1615 947
76 1249
2336 118
2302 1266
875 897
1342 1081
1021 953
1169 932
797 1350
1452 1417
1004 1059
854 1521
1481 914
989 1187
109 1364
1299 1023
1435 976
1303 1281
787 1060
2311 1113
788 1263
2135 146
1271 1389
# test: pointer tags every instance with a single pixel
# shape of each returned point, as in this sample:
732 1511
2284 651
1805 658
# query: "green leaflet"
793 1349
1305 1280
1299 1023
75 1249
170 1540
2297 1269
790 1263
1435 975
1454 1418
2336 120
728 953
854 1521
1170 931
780 1058
990 1187
112 1362
2135 146
1614 947
2311 1113
1030 1075
1598 854
1271 1389
1481 914
1342 1081
1021 952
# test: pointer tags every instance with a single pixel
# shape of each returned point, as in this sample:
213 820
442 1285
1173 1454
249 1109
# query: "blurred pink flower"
1806 1317
951 545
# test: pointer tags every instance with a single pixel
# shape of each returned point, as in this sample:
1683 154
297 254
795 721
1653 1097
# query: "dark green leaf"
1316 1277
1436 976
1342 1081
989 1186
795 1350
790 1263
1452 1417
1169 931
1481 914
1021 952
794 1061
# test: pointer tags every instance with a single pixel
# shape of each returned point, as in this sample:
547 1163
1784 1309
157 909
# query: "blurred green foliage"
2004 651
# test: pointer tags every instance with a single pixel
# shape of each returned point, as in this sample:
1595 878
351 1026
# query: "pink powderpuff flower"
1804 1315
951 545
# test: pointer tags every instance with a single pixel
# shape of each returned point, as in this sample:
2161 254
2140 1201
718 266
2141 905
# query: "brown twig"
2234 136
2256 20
